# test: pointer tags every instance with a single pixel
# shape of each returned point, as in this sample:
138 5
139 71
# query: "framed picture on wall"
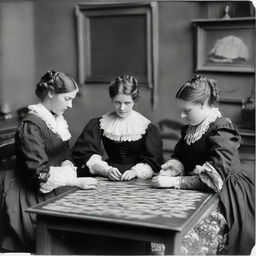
225 45
117 39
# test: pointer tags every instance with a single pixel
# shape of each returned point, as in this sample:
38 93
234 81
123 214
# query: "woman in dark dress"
132 143
206 158
43 169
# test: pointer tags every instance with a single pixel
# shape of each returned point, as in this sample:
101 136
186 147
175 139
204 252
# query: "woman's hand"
128 175
172 168
83 183
114 174
165 182
168 172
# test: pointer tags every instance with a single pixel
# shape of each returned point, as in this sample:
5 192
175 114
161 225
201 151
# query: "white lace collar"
56 124
195 132
130 128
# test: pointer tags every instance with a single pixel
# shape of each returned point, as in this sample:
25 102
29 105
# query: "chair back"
170 134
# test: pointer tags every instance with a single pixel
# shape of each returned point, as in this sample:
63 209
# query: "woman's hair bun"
126 84
215 91
55 81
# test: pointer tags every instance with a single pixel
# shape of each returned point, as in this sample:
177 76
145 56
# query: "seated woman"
43 169
206 158
132 143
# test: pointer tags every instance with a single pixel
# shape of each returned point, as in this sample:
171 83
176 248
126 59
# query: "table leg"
50 241
173 244
43 239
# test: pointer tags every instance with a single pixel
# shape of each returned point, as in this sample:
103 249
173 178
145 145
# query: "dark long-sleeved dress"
38 151
218 147
123 149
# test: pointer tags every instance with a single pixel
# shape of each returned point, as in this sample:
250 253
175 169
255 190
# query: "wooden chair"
170 134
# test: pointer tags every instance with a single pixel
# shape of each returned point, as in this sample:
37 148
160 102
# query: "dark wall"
17 53
50 42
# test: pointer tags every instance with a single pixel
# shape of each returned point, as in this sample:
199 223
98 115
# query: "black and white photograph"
127 127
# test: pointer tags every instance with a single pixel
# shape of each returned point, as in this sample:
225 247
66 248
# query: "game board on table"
132 201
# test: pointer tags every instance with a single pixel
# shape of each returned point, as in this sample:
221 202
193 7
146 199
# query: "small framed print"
225 45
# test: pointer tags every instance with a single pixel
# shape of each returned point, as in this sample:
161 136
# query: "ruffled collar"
56 124
130 128
195 132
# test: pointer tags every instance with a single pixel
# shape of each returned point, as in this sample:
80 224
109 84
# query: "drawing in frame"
225 45
108 38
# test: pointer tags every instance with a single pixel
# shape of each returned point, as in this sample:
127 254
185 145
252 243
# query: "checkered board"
124 200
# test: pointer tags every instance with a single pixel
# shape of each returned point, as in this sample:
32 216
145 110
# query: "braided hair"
199 90
54 81
125 84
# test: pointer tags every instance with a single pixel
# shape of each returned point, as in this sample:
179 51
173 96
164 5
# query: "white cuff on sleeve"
97 166
143 171
58 177
67 163
172 168
177 182
211 177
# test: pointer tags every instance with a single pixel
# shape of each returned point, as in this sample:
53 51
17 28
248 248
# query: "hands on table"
170 176
115 174
82 183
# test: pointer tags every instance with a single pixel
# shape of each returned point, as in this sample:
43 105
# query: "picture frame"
225 45
109 35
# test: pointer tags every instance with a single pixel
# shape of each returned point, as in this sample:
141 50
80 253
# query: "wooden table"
130 210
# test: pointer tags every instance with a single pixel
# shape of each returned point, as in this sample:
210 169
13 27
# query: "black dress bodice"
218 145
34 136
120 154
126 152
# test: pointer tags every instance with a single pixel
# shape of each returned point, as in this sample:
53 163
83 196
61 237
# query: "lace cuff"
211 177
58 176
97 166
143 171
68 163
176 164
172 168
177 182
